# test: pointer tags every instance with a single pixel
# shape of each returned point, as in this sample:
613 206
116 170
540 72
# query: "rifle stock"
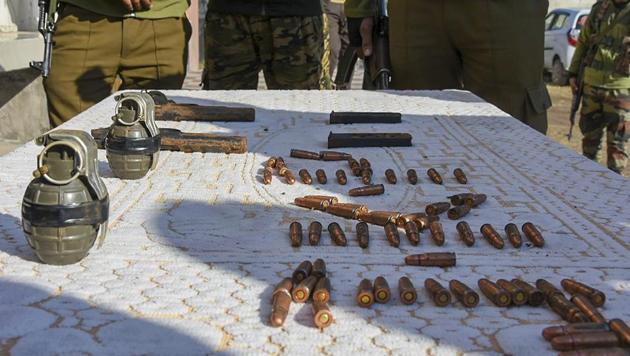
168 110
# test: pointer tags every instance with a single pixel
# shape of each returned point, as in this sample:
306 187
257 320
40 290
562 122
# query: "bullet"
532 233
302 272
271 162
432 259
465 233
355 167
390 175
498 296
289 177
283 171
621 329
310 203
330 199
337 235
565 309
377 189
492 236
280 302
280 163
435 176
518 296
364 163
468 297
359 209
597 297
437 208
437 233
304 154
348 211
608 351
303 291
513 235
295 233
420 219
460 199
322 290
314 233
458 212
305 176
380 217
413 235
319 268
476 200
412 176
322 316
547 288
587 308
363 234
440 295
392 235
584 341
341 177
382 293
334 156
365 294
366 176
460 176
535 297
267 175
321 176
406 291
553 331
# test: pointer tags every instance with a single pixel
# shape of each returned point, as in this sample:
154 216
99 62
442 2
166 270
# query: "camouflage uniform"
606 80
288 49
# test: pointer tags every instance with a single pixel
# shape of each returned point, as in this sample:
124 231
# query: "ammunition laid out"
280 302
598 298
341 177
321 176
607 351
406 291
267 175
314 233
322 290
365 294
413 235
585 341
460 199
271 162
319 268
513 235
380 217
382 293
363 234
295 233
497 295
302 272
460 176
434 176
492 236
304 154
621 329
412 176
337 235
377 189
587 308
572 329
532 233
518 296
366 176
475 200
305 177
458 212
334 156
437 233
437 208
535 297
440 295
364 163
322 316
421 220
547 288
348 211
289 177
565 309
310 203
355 167
390 175
468 297
303 291
330 199
465 233
392 235
432 259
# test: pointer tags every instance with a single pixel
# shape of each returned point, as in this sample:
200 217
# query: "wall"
24 14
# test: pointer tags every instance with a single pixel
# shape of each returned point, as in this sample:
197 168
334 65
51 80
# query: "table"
196 247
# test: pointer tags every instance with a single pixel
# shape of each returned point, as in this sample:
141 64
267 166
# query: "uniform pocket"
538 100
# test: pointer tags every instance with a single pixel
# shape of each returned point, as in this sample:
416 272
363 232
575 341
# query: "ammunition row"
494 238
321 156
590 338
308 282
379 292
280 166
463 204
363 169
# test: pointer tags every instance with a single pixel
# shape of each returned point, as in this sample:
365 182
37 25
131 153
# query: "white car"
562 29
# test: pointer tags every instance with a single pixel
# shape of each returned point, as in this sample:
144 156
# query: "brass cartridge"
271 162
535 296
392 235
382 293
565 309
460 176
497 295
406 291
465 233
432 259
380 217
310 203
322 290
518 296
303 291
280 302
341 177
319 268
334 156
355 167
458 212
283 171
267 176
363 235
460 199
584 341
348 211
597 297
321 176
365 294
513 235
607 351
305 176
440 295
289 177
468 297
577 328
314 233
366 176
492 236
377 189
337 235
330 199
547 288
302 272
621 329
476 200
435 176
437 208
437 233
412 176
587 308
279 163
364 163
413 235
421 220
390 175
304 154
295 233
322 316
532 233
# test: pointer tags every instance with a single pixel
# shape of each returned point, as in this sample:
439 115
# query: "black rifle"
46 27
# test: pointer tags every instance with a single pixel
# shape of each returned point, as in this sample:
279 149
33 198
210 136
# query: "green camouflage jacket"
359 8
608 66
114 8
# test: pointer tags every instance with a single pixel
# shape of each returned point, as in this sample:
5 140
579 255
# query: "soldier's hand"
137 5
573 84
367 26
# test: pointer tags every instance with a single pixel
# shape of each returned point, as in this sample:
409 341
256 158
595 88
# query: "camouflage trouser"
606 110
288 50
325 81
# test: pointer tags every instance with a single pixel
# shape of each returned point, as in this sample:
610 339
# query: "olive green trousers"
494 48
92 50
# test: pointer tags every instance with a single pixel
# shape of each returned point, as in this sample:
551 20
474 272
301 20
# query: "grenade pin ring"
78 154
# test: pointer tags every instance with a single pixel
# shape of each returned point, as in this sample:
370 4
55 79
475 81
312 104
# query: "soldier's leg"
325 80
617 108
297 44
338 32
154 53
592 122
231 57
84 62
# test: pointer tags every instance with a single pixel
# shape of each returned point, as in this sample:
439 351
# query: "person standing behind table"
603 49
492 48
283 38
144 42
338 30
